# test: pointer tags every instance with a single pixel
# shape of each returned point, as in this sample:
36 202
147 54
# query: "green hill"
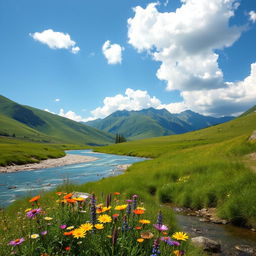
32 124
152 122
203 168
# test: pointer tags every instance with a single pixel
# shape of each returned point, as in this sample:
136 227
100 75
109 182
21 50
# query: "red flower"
68 248
34 199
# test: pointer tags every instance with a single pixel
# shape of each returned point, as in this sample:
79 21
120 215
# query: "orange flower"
72 201
116 215
138 211
116 193
59 193
68 196
140 240
34 199
138 227
68 233
146 235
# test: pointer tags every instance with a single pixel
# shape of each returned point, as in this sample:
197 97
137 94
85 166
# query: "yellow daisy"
70 228
86 227
104 218
47 218
78 233
144 221
180 236
121 207
34 236
99 226
103 209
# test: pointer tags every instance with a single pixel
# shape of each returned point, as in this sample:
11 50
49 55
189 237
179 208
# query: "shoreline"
48 163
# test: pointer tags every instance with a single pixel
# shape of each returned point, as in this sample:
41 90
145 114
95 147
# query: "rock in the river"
245 250
206 244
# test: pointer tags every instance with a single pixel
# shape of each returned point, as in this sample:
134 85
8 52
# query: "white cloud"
57 100
112 52
252 16
132 100
184 41
56 40
72 115
174 107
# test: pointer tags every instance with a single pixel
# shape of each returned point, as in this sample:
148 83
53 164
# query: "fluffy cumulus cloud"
185 44
252 16
132 100
112 52
56 40
72 115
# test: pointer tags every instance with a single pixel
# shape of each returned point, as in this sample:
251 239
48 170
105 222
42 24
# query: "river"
28 183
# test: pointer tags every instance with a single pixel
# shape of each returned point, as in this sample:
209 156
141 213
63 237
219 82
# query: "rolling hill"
152 122
27 123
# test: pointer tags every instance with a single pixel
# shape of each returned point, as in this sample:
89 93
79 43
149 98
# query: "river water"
28 183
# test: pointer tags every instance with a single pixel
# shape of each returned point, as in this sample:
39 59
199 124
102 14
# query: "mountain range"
152 122
27 123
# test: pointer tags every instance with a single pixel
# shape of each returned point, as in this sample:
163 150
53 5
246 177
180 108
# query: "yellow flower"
180 236
29 209
47 218
86 227
144 221
140 240
177 253
99 226
78 233
104 218
79 199
121 207
70 228
141 208
109 236
103 209
34 236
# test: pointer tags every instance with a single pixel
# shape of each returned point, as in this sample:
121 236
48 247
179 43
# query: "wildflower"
34 199
115 216
34 236
138 228
180 236
43 233
59 193
116 193
109 236
140 240
28 209
93 210
104 218
71 200
159 218
78 233
121 207
138 211
160 227
155 249
79 199
32 213
86 227
47 218
63 226
103 209
68 233
134 202
68 248
144 221
178 253
68 196
70 227
168 240
146 235
99 226
125 226
17 241
129 207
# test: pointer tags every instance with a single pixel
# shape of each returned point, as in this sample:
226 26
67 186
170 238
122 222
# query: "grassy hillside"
32 124
15 151
199 169
148 123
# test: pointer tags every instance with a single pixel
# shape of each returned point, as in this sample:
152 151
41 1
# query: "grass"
15 151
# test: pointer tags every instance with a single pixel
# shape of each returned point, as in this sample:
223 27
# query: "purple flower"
17 241
159 218
169 241
160 227
63 226
32 213
129 201
155 250
43 233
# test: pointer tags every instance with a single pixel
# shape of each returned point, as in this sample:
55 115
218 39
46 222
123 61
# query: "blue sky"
178 55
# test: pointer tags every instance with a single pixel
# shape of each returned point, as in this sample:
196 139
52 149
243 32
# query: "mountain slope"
152 122
38 125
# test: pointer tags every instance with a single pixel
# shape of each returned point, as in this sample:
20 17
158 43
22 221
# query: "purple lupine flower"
159 218
125 226
43 233
155 250
169 241
93 210
32 213
134 202
17 241
129 208
63 226
160 227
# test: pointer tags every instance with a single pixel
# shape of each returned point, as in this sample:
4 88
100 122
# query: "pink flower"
17 241
63 226
160 227
32 213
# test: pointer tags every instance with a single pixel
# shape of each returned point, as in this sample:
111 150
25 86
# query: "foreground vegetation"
200 169
15 151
